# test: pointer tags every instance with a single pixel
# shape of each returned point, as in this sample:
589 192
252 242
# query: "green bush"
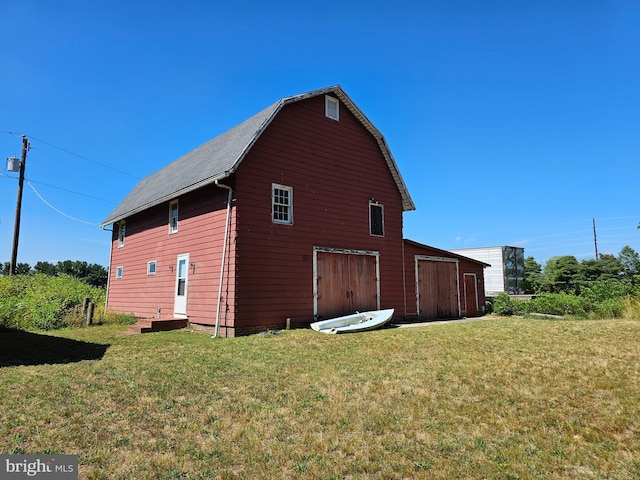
610 308
43 302
609 298
603 290
519 306
10 312
557 304
503 305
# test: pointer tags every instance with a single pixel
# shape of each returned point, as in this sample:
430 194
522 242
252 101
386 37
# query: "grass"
502 398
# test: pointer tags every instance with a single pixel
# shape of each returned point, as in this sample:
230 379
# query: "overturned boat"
356 322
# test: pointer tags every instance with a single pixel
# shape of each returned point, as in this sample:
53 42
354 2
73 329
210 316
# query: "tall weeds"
44 302
601 299
631 308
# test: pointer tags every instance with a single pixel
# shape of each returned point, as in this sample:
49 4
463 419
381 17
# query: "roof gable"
220 157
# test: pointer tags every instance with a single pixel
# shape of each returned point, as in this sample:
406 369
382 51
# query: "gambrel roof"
220 157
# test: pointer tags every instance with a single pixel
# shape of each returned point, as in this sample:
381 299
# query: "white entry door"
182 282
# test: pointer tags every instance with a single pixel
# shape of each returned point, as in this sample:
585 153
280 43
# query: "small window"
121 231
282 204
151 267
332 107
119 272
376 219
173 217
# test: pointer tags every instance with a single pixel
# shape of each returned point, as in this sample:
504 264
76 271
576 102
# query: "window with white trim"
121 232
332 107
376 219
281 204
173 217
151 267
119 271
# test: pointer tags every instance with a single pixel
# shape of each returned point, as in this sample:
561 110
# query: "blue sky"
513 123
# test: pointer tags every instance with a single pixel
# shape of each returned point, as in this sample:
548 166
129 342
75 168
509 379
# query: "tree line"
565 274
91 273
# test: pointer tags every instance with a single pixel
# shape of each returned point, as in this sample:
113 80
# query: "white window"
376 219
121 230
332 107
119 272
282 204
173 217
151 267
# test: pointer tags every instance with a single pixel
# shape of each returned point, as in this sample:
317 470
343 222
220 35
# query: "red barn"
293 215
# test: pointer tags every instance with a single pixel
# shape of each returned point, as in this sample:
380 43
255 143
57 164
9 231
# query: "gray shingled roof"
220 157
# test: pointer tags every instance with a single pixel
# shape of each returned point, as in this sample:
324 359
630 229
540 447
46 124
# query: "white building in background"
506 273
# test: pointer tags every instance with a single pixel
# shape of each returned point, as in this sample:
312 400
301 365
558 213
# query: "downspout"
106 295
224 255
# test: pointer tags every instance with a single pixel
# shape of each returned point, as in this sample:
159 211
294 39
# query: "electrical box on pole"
13 164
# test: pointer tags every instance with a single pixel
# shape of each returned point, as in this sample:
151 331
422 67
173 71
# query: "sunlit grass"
504 398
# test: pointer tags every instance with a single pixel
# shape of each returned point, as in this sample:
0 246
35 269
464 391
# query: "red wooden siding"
334 168
201 226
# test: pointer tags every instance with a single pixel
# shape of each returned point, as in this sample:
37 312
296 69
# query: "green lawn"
500 398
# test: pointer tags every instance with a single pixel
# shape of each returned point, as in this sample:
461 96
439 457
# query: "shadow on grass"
18 347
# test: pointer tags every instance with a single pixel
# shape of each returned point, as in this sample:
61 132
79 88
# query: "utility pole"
595 240
16 229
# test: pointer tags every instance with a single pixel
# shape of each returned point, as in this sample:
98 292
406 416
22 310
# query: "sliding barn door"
345 283
333 284
438 293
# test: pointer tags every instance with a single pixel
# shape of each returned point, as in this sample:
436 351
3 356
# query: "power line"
103 165
10 177
86 158
75 193
59 211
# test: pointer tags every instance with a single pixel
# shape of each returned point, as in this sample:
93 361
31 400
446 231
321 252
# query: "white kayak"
356 322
